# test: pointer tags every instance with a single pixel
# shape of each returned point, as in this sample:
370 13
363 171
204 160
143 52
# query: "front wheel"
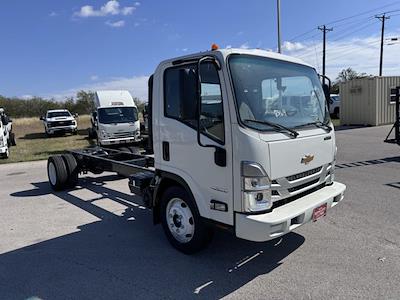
181 221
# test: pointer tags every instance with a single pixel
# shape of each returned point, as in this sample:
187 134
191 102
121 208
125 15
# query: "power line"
344 19
363 13
354 31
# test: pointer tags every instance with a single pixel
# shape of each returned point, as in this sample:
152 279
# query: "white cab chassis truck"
115 121
237 138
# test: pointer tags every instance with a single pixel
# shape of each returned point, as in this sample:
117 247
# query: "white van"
115 120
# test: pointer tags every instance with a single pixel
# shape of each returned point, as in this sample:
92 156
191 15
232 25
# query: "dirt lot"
32 143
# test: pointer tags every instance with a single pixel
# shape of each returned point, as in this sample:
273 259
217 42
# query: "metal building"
366 101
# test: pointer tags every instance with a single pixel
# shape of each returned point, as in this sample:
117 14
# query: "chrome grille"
303 174
290 186
124 134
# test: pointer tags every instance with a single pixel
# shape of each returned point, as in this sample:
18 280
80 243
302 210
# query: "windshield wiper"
276 126
318 124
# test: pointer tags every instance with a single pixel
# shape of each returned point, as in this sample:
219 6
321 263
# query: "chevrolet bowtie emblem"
307 159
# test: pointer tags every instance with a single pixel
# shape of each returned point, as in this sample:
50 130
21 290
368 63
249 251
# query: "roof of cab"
108 98
257 52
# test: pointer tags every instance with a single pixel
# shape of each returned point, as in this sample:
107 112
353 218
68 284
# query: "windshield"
56 114
335 98
276 91
117 115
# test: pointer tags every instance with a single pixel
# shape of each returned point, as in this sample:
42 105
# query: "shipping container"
366 101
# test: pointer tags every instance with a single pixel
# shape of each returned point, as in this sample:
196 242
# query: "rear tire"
12 139
181 221
72 169
336 112
57 172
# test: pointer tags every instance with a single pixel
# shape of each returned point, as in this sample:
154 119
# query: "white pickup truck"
59 121
7 137
238 138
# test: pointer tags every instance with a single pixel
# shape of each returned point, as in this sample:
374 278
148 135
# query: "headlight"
331 177
105 134
256 188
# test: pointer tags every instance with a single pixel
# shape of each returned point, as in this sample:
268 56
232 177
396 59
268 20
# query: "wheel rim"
52 174
180 220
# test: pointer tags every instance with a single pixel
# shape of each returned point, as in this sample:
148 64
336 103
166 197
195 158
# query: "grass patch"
32 143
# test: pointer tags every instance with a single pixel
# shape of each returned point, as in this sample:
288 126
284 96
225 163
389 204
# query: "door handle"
165 150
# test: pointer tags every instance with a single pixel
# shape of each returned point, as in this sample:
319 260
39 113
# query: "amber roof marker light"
214 47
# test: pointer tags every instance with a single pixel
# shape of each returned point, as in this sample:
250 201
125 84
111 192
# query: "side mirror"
75 115
327 93
41 118
220 153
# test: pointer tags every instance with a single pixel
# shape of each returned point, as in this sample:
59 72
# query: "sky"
54 48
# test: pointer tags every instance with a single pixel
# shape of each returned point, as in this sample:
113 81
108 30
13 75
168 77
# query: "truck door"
180 152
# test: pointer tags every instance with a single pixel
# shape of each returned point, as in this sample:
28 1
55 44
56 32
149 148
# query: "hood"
293 156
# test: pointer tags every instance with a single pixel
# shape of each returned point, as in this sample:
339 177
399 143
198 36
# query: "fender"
161 185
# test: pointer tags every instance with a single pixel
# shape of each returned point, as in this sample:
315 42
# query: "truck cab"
239 139
115 121
247 134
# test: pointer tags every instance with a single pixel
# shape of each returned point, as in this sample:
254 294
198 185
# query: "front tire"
181 221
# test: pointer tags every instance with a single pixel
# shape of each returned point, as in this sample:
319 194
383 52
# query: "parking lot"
98 242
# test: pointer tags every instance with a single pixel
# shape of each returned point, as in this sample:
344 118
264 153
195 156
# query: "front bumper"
117 141
70 128
284 219
3 150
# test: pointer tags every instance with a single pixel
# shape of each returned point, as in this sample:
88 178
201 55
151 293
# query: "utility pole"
382 18
278 6
324 30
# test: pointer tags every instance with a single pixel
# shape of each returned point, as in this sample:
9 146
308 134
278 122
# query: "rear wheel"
12 139
181 221
57 172
336 112
72 169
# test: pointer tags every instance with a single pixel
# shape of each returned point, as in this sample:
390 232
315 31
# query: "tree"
346 75
84 102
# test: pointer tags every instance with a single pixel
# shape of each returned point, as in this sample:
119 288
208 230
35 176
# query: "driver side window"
212 111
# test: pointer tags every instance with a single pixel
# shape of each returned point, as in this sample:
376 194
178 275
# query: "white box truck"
115 121
240 139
